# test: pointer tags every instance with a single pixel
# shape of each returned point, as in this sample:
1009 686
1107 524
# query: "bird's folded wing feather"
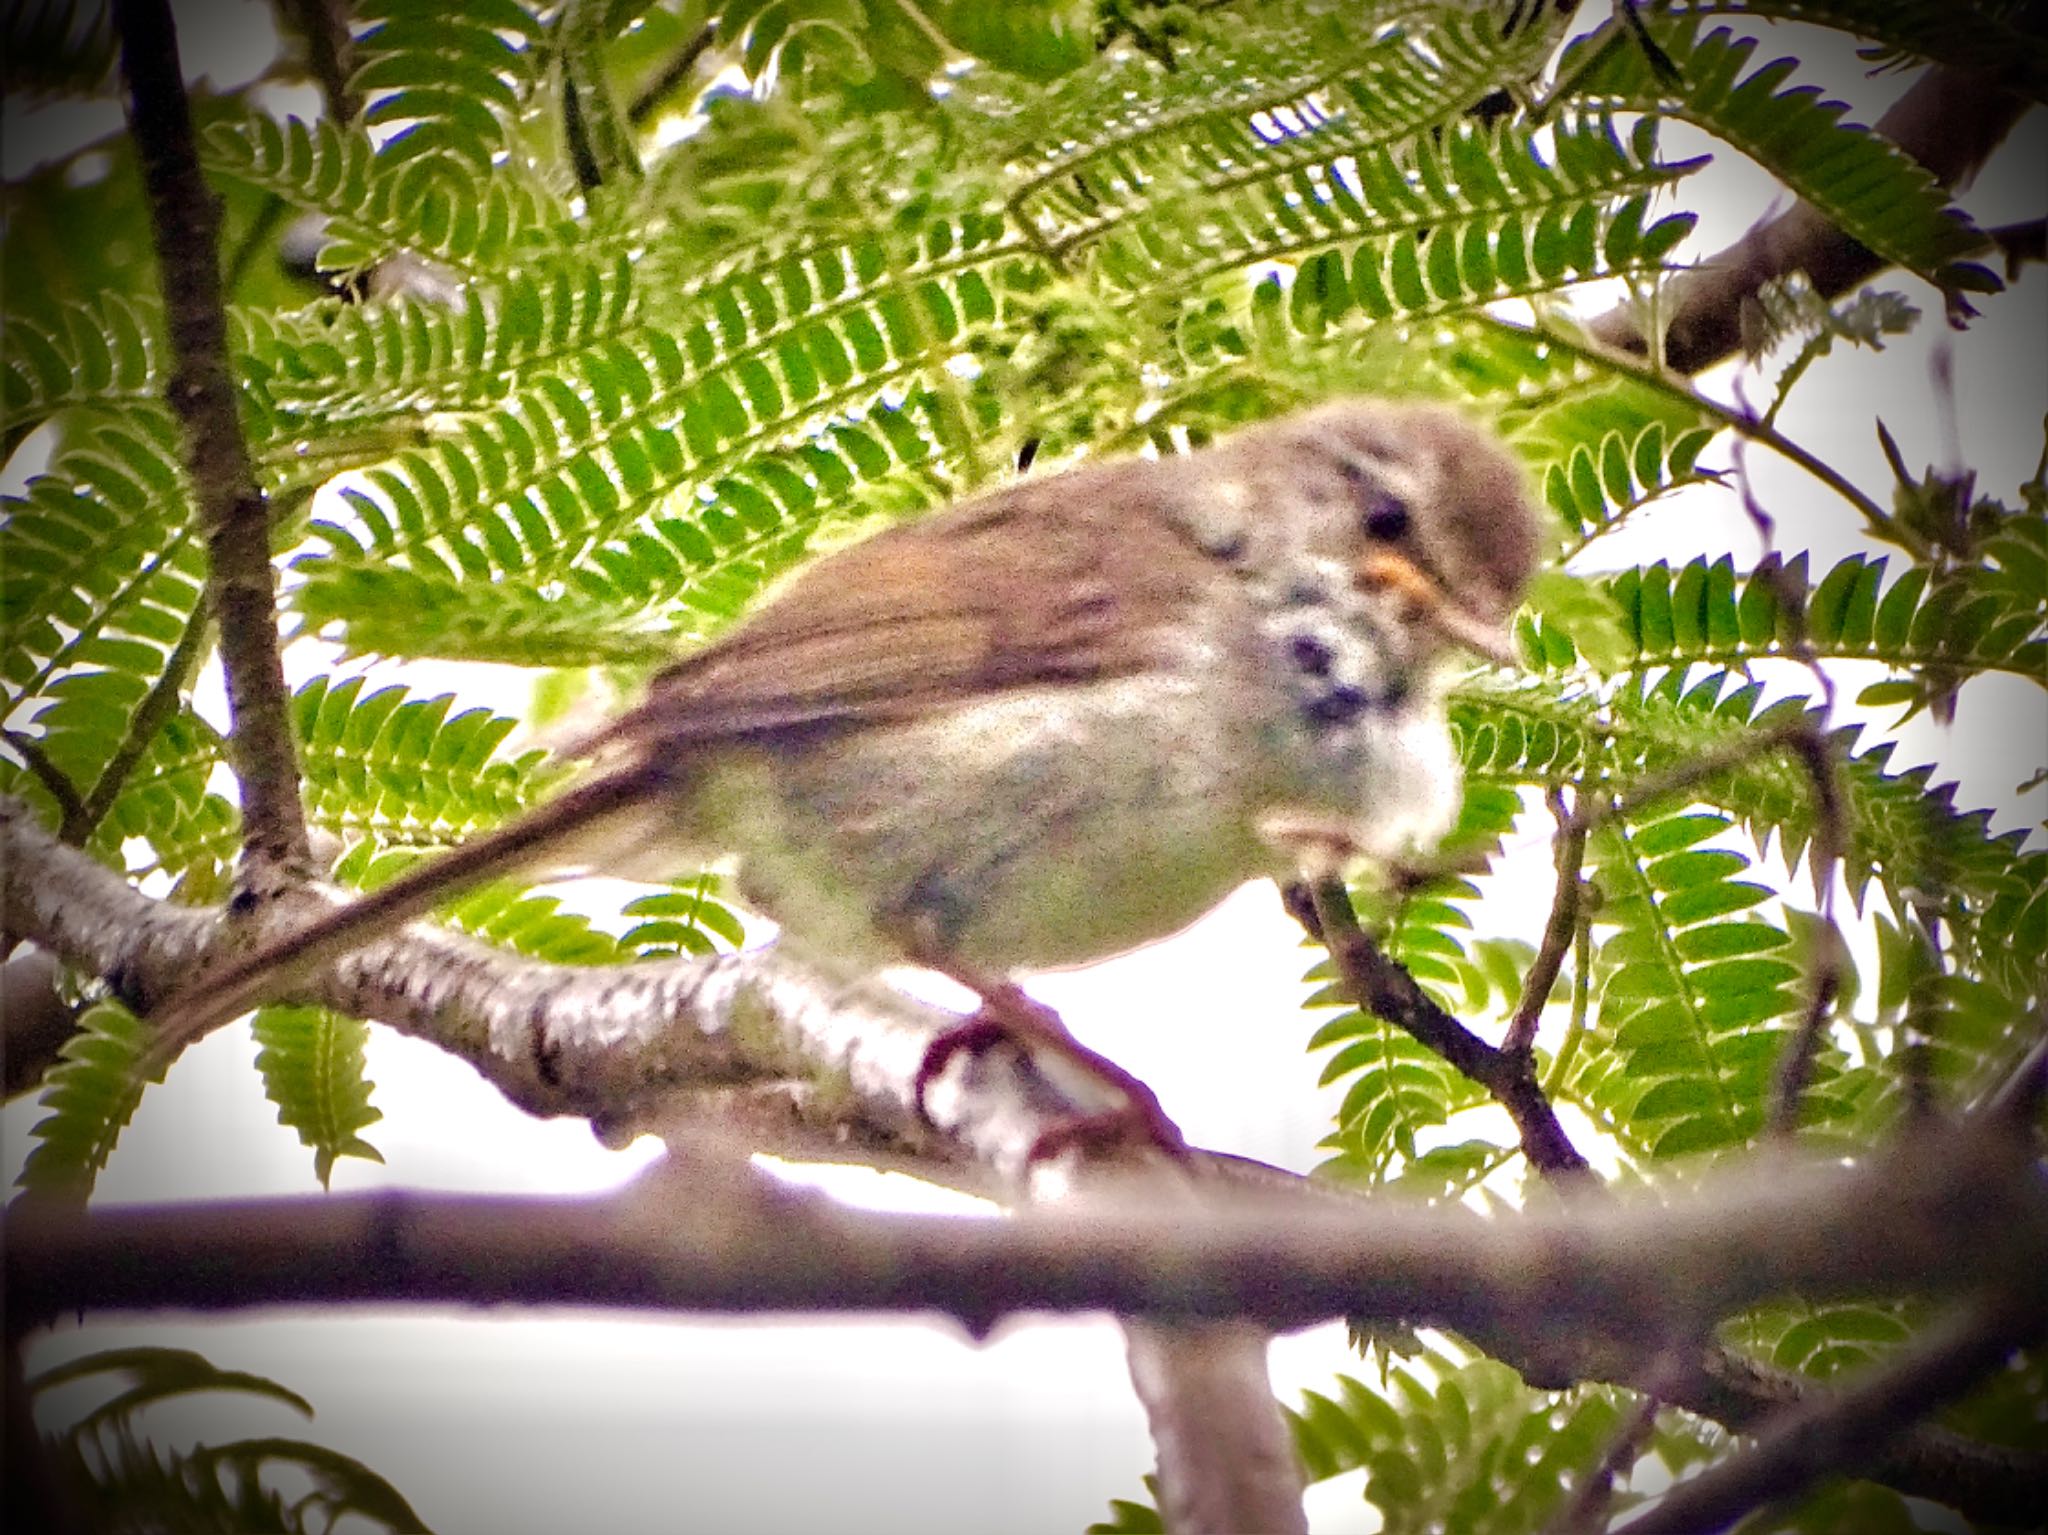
1073 578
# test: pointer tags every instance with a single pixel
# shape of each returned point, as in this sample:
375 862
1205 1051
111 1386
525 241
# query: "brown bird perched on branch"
1051 724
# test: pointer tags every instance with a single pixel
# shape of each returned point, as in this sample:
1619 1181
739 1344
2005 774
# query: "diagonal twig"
158 704
1558 932
1838 1433
1386 989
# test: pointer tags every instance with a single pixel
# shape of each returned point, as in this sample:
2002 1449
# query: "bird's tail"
217 995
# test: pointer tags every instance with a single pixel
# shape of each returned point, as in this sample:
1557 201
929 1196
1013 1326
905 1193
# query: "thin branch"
648 99
241 586
2019 1097
1915 1053
1589 348
1558 933
1989 1483
1582 992
1826 966
323 28
1385 989
45 772
1949 121
2021 243
1839 1433
156 707
1586 1510
1227 1460
1793 735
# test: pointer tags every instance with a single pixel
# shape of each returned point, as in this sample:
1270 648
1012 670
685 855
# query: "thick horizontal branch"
1631 1270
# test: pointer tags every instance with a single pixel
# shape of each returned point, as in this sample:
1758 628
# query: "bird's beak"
1381 570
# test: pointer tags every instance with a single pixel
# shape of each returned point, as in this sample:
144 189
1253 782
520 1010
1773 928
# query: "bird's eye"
1386 519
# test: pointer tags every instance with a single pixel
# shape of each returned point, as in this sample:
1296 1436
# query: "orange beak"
1381 570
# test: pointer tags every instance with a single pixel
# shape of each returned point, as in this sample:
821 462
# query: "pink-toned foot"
1007 1015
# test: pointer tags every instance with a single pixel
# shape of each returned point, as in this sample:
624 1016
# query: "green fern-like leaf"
312 1066
1456 1445
535 925
1903 832
1444 222
1704 613
374 205
98 570
447 83
1267 104
166 801
1974 39
692 919
118 1479
148 1375
402 771
102 355
1692 1007
1866 186
91 1094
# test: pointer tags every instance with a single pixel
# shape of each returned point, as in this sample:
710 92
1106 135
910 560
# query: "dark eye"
1387 519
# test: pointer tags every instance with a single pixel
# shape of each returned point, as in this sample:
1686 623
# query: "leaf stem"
1746 424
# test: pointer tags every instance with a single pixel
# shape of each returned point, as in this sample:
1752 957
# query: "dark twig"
1826 966
648 99
1915 1051
1841 1432
1652 787
47 773
2021 243
1830 834
1585 1511
1558 933
1386 989
241 586
1745 423
157 706
323 28
576 134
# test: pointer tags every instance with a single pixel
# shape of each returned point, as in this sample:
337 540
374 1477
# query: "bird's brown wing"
1070 578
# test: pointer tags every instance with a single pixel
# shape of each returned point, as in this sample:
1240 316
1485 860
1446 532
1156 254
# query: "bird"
1049 724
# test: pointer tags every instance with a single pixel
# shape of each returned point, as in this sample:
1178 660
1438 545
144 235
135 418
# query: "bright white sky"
507 1423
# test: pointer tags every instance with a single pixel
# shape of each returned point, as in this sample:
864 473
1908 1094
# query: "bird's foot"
1007 1015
